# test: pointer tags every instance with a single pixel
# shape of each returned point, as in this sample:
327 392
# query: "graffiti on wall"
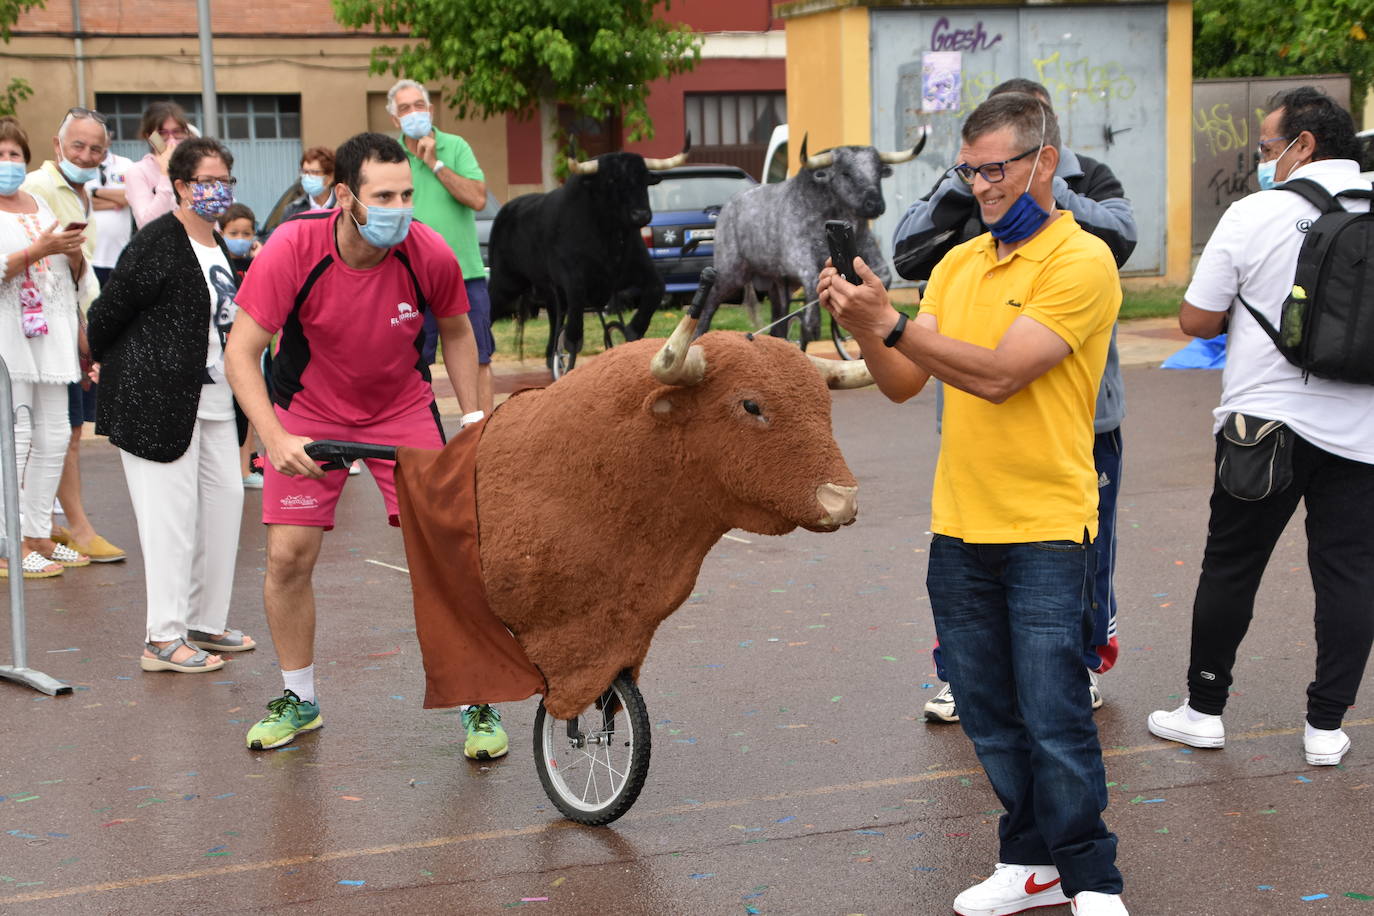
944 38
1075 79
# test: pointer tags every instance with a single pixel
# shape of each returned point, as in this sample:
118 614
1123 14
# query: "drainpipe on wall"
209 112
80 50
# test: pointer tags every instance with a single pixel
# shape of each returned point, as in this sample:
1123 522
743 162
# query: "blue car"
685 203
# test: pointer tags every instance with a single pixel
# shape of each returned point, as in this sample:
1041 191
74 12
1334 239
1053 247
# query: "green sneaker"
287 716
486 738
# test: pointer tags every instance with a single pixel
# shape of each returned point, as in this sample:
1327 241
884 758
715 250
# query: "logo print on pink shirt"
404 312
298 501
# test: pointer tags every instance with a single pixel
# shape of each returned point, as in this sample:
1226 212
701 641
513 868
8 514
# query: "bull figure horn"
907 155
658 165
587 167
842 374
818 161
678 362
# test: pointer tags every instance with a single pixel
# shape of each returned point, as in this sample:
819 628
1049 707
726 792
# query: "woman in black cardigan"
158 332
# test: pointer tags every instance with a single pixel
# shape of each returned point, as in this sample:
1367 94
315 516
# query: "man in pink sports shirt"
347 290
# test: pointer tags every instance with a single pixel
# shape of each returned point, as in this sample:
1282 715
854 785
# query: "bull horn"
907 155
658 165
678 362
840 374
587 167
818 161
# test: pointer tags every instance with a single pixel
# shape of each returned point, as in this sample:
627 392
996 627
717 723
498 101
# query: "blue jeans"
1012 620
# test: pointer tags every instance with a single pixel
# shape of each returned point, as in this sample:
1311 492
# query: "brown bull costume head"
599 497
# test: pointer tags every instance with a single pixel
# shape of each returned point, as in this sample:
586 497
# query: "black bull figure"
772 237
578 246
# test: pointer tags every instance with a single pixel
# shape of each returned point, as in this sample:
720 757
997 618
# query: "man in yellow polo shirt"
1016 323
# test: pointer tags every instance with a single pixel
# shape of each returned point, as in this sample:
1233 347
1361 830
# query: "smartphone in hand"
70 226
839 237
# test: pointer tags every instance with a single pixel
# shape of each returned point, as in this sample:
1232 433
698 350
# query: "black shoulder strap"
1262 322
421 302
1313 193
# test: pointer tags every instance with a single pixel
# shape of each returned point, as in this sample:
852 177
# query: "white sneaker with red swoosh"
1012 889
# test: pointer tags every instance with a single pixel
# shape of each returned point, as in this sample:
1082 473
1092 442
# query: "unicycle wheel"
593 767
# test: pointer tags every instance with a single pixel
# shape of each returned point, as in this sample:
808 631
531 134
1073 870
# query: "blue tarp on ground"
1200 354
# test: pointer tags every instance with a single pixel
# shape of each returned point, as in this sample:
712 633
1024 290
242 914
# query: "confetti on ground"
1310 897
704 874
1354 896
534 899
784 820
353 883
1303 779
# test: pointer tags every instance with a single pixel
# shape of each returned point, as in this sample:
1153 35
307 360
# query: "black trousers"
1339 496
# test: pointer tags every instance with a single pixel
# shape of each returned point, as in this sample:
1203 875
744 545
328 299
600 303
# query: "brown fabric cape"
469 655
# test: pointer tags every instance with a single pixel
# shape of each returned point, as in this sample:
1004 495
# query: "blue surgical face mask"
11 176
239 248
75 173
417 124
1266 171
386 227
312 184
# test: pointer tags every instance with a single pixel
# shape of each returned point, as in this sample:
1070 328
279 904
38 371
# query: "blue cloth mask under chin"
1026 216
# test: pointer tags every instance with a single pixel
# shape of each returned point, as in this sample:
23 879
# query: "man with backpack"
1284 431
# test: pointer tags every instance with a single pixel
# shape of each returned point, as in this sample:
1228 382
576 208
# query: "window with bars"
241 117
734 118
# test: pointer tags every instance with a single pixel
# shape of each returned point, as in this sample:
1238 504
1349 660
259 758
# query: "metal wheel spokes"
593 767
595 763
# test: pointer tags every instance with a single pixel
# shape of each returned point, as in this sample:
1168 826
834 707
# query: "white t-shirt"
217 400
1253 252
113 227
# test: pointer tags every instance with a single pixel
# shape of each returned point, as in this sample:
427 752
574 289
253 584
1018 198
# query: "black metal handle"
336 455
708 280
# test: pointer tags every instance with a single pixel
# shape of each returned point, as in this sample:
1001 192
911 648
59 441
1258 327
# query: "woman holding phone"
158 332
146 185
43 269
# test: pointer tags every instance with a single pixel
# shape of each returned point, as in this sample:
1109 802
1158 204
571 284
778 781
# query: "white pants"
41 435
188 514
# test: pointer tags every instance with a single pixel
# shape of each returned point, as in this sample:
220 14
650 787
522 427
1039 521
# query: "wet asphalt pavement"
791 773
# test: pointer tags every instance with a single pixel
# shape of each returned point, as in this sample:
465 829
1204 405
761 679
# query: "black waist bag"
1256 457
1326 327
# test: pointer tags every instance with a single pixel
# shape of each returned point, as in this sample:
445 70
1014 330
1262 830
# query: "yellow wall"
1178 200
331 77
828 96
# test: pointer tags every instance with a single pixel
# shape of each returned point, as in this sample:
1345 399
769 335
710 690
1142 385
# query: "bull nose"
840 504
874 207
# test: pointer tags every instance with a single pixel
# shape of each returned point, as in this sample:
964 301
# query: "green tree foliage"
1265 38
516 56
17 90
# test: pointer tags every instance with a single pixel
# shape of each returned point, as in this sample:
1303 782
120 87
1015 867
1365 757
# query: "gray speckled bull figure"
772 237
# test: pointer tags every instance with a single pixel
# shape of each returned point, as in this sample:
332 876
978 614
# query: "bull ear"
669 405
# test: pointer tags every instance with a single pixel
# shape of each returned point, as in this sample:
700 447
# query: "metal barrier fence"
13 547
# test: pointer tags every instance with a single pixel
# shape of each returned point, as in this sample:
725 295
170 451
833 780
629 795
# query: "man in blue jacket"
948 216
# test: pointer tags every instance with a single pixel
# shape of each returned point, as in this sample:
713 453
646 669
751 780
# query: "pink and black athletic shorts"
310 502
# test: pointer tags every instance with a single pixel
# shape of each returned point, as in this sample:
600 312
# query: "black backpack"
1326 327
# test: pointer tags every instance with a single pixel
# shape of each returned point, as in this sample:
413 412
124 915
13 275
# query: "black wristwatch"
891 339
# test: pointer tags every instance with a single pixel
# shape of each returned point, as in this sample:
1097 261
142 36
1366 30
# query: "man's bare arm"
242 359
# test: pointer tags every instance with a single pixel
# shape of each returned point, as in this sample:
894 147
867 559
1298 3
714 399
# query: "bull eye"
753 408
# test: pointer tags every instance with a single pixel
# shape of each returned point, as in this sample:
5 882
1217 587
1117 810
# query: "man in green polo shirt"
449 189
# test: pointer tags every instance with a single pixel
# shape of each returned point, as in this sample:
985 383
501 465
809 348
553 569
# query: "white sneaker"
1012 889
941 708
1094 691
1179 726
1091 903
1325 749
